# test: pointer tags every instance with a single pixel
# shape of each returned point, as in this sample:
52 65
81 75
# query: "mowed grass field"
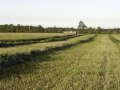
93 65
18 39
27 36
38 46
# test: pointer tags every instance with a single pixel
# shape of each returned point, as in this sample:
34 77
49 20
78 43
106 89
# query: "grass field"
117 36
18 54
16 39
27 36
11 40
38 46
93 65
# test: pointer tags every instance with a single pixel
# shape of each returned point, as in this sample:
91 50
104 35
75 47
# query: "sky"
61 13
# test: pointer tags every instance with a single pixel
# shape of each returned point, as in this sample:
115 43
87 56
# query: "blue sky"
61 13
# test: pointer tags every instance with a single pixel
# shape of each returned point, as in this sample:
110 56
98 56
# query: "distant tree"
81 28
40 29
11 28
99 29
81 25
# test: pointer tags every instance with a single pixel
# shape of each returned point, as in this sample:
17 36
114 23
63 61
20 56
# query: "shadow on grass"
27 67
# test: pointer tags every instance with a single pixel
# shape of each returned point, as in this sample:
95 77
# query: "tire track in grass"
68 81
113 80
91 71
68 75
101 75
95 70
66 71
105 69
84 76
107 79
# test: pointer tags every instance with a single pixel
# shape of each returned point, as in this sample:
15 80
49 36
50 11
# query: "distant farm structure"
70 32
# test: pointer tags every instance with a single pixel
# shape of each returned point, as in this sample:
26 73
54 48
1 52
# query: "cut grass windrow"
115 38
9 43
15 55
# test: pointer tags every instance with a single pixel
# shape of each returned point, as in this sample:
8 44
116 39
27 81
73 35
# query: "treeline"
82 28
31 29
99 31
20 28
39 29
